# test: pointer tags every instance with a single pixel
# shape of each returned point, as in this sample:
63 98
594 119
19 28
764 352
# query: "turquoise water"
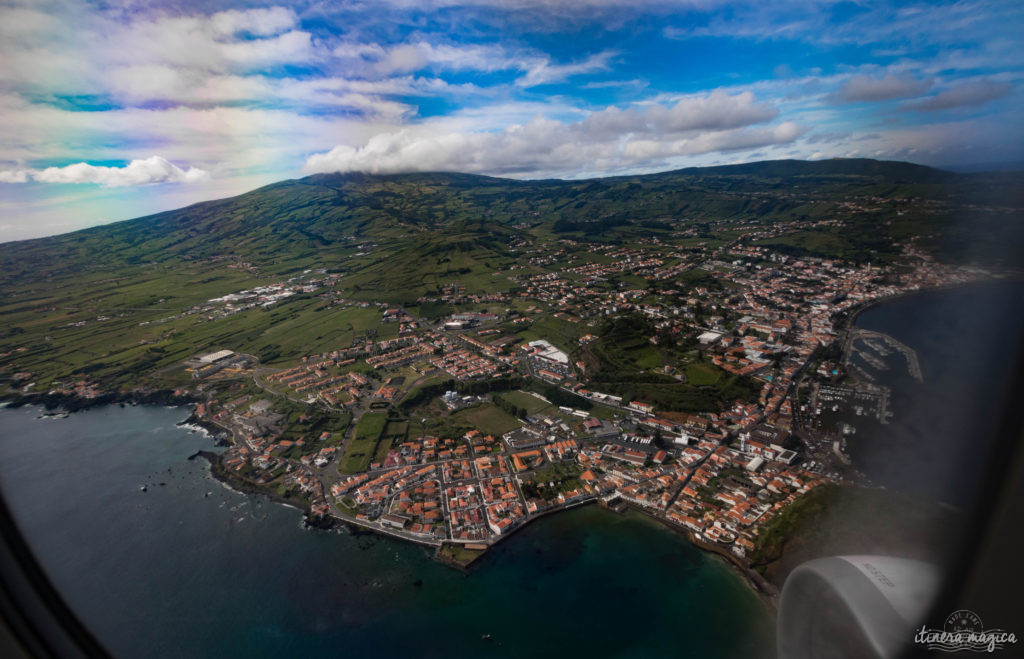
192 569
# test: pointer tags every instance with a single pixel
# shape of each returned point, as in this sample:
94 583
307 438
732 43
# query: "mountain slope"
322 217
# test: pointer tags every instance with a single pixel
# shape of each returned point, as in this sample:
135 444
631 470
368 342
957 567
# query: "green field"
624 347
526 401
128 346
309 423
646 356
360 449
548 482
534 405
487 418
284 333
703 374
422 265
603 412
561 333
817 243
348 506
394 432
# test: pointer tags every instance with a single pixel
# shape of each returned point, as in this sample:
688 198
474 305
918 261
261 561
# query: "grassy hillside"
326 218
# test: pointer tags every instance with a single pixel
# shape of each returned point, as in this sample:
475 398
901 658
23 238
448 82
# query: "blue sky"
116 109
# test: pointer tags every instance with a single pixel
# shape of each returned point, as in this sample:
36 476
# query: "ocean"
190 568
938 444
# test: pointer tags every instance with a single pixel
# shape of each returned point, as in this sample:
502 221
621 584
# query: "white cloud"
402 59
138 172
543 72
609 140
261 22
14 176
293 46
140 59
75 50
714 142
716 111
196 43
713 111
375 60
138 84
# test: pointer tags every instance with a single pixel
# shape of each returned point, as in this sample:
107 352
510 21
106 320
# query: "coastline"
849 317
765 590
757 584
519 527
298 574
72 402
220 435
244 486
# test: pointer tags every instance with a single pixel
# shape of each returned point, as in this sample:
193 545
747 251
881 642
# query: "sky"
117 109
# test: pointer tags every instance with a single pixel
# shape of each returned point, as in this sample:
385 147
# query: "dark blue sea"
941 438
190 568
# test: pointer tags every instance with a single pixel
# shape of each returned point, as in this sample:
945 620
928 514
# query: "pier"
875 340
877 347
873 361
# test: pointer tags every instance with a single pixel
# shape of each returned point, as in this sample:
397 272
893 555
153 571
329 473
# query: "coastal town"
453 432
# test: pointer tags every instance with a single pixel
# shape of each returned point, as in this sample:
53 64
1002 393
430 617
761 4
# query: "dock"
875 340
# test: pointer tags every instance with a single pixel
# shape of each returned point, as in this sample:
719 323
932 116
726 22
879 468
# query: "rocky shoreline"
71 402
244 486
221 437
